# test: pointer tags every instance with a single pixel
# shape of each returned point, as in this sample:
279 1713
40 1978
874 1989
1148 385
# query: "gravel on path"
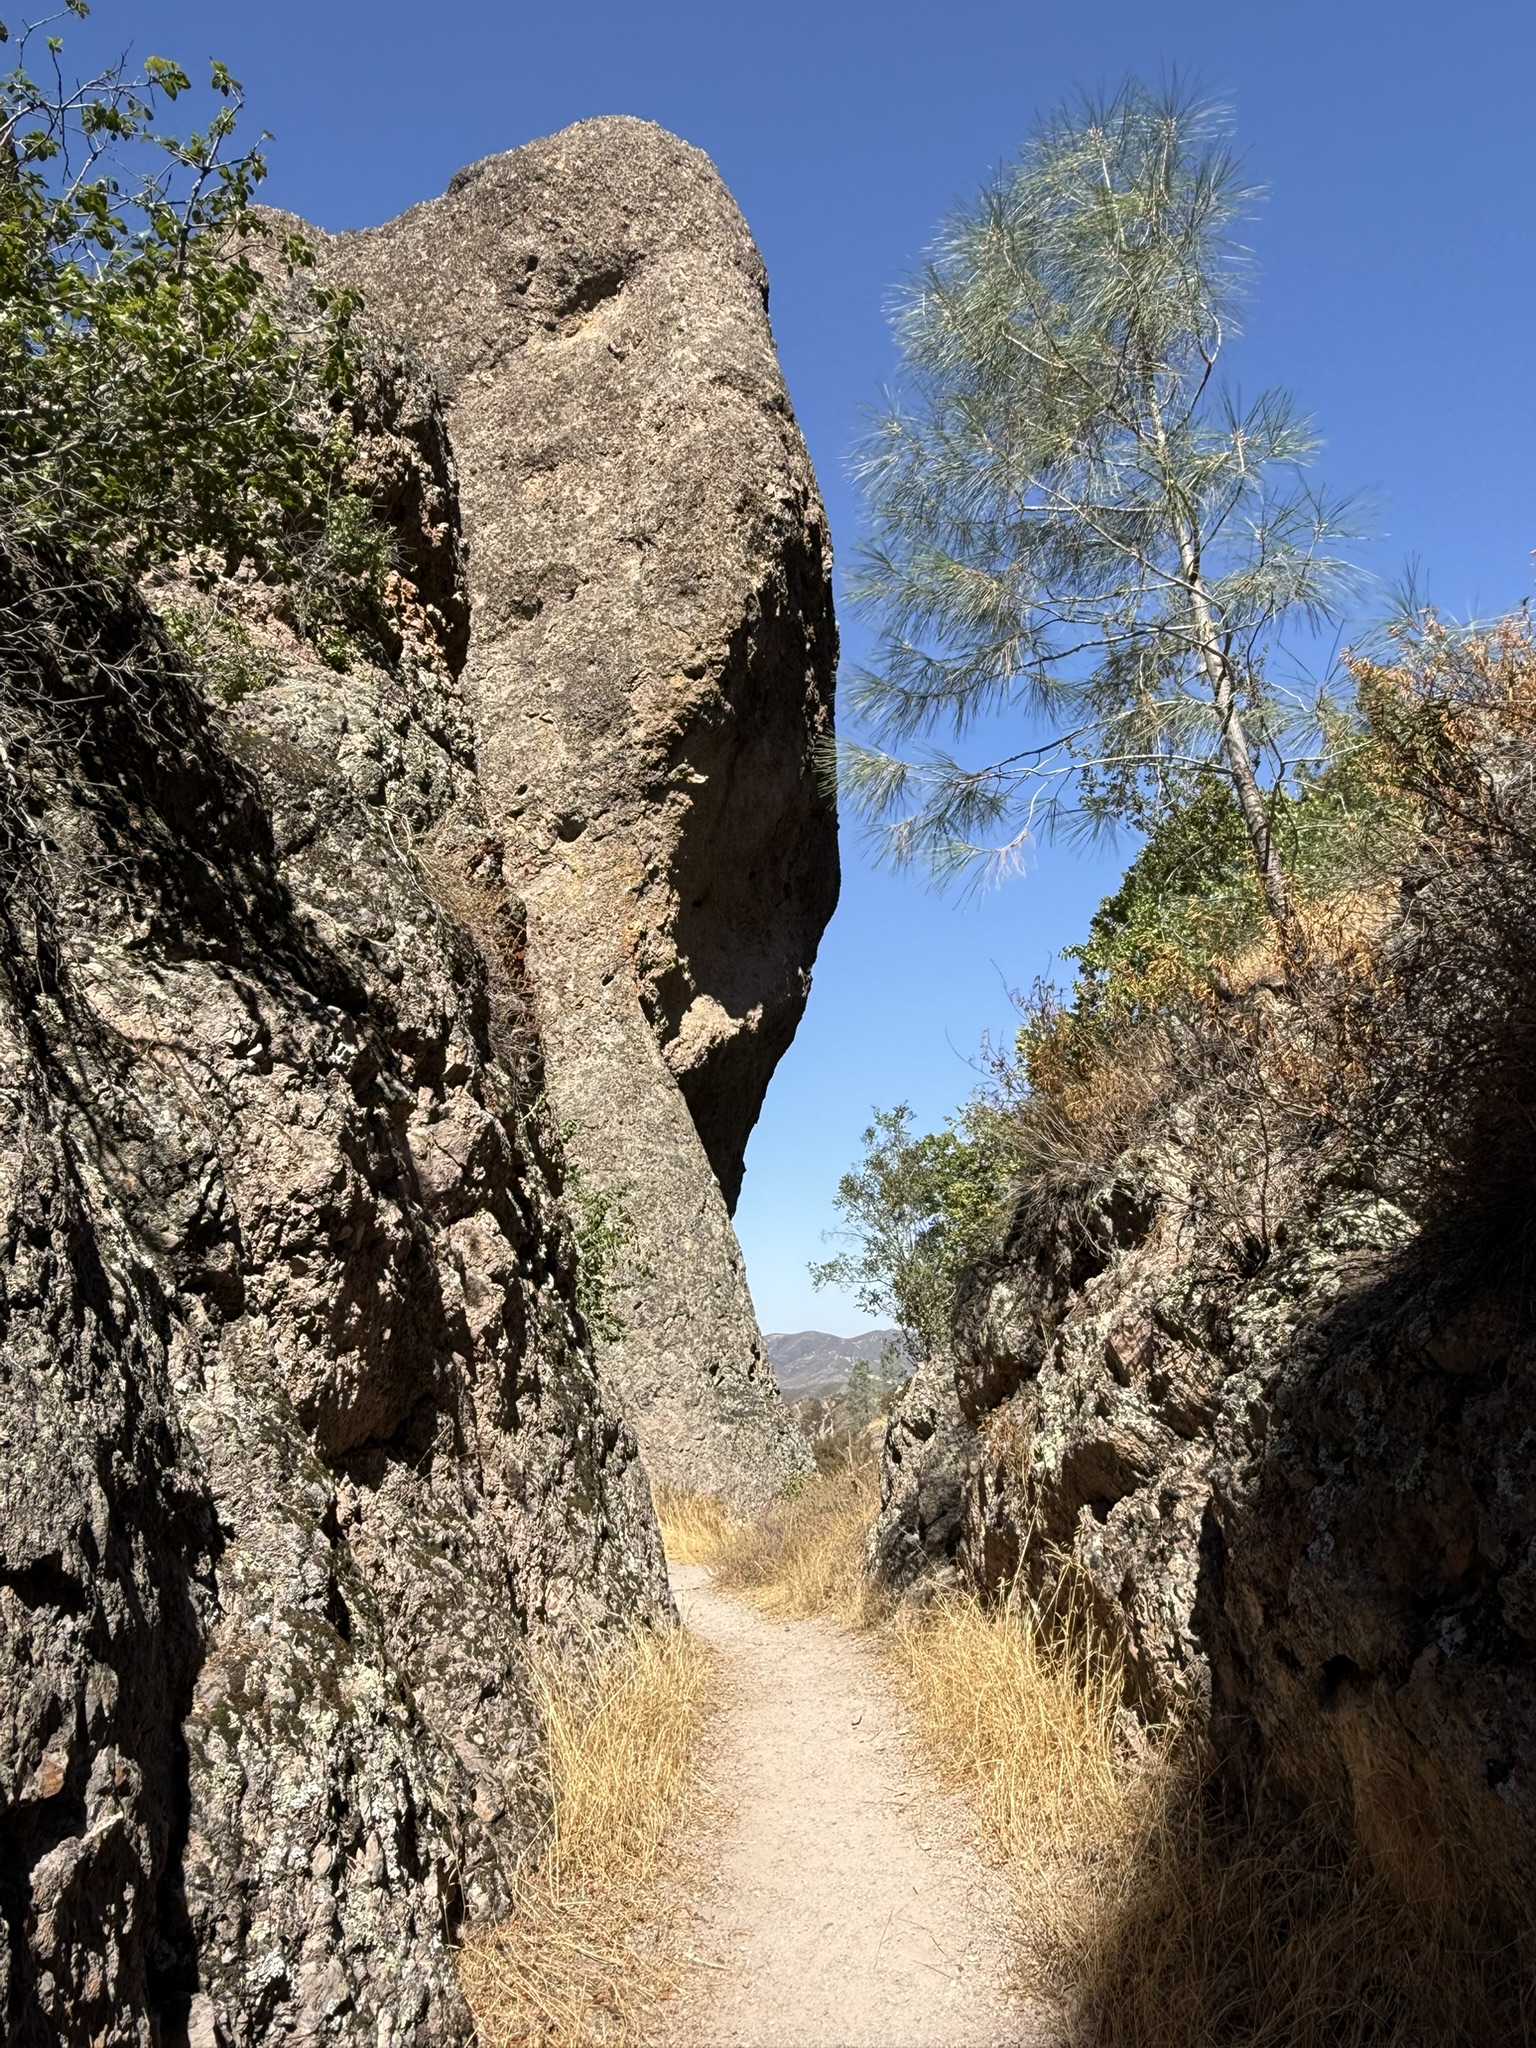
848 1907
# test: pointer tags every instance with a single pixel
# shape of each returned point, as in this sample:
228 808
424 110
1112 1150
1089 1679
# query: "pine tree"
1070 517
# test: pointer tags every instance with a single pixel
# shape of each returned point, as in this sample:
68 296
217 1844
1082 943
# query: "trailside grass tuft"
588 1951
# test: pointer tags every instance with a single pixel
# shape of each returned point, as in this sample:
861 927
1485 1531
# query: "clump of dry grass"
586 1953
803 1555
1271 1929
1028 1732
1156 1913
696 1528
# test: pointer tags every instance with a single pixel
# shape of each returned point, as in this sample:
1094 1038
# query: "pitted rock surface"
1299 1501
302 1429
649 677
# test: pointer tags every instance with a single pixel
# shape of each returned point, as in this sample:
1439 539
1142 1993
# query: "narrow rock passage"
848 1909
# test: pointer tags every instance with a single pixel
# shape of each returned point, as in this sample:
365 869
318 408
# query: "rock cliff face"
650 673
1300 1497
301 1431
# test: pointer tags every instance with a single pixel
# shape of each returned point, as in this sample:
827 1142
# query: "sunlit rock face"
650 679
309 995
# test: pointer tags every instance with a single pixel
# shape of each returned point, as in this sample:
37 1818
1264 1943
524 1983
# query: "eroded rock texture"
650 673
301 1430
1300 1498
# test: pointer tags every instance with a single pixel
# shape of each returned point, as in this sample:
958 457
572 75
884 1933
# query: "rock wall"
301 1429
1300 1498
650 674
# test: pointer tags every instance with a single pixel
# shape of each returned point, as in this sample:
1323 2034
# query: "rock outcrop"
302 1429
1302 1504
304 1433
1296 1482
649 678
926 1470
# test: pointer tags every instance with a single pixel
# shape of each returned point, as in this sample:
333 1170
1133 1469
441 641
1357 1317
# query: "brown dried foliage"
590 1949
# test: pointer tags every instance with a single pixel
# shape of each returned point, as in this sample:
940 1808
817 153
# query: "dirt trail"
848 1910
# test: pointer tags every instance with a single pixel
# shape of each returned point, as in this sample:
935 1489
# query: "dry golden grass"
1028 1733
696 1528
1152 1915
804 1555
1009 1721
1211 1928
587 1953
1158 1919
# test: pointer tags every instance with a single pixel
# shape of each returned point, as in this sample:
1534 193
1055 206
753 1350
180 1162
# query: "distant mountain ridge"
813 1362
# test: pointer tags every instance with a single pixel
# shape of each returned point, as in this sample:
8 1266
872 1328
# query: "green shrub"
166 396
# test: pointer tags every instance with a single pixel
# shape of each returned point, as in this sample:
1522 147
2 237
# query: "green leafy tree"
1071 517
160 396
861 1397
914 1209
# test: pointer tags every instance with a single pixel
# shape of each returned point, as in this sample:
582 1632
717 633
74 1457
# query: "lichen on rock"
303 1431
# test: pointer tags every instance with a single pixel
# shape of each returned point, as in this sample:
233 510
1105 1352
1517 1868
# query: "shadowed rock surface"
301 1430
926 1469
1294 1483
650 672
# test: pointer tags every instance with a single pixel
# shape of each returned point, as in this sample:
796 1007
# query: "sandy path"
848 1909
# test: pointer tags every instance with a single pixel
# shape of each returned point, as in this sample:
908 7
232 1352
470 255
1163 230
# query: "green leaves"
915 1209
606 1246
1071 525
167 77
161 397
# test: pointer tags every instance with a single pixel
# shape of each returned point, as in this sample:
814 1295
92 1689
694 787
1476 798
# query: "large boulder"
927 1469
650 680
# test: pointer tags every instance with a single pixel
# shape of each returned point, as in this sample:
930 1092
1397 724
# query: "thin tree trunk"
1234 747
1218 669
1245 785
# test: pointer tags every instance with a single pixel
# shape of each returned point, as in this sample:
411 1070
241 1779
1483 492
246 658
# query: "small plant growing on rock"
176 386
605 1243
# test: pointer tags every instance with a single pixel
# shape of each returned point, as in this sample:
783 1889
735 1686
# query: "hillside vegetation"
1225 1420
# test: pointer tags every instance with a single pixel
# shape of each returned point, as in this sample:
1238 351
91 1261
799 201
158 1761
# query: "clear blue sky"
1395 299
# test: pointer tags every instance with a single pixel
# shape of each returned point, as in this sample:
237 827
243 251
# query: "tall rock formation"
302 1432
650 673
